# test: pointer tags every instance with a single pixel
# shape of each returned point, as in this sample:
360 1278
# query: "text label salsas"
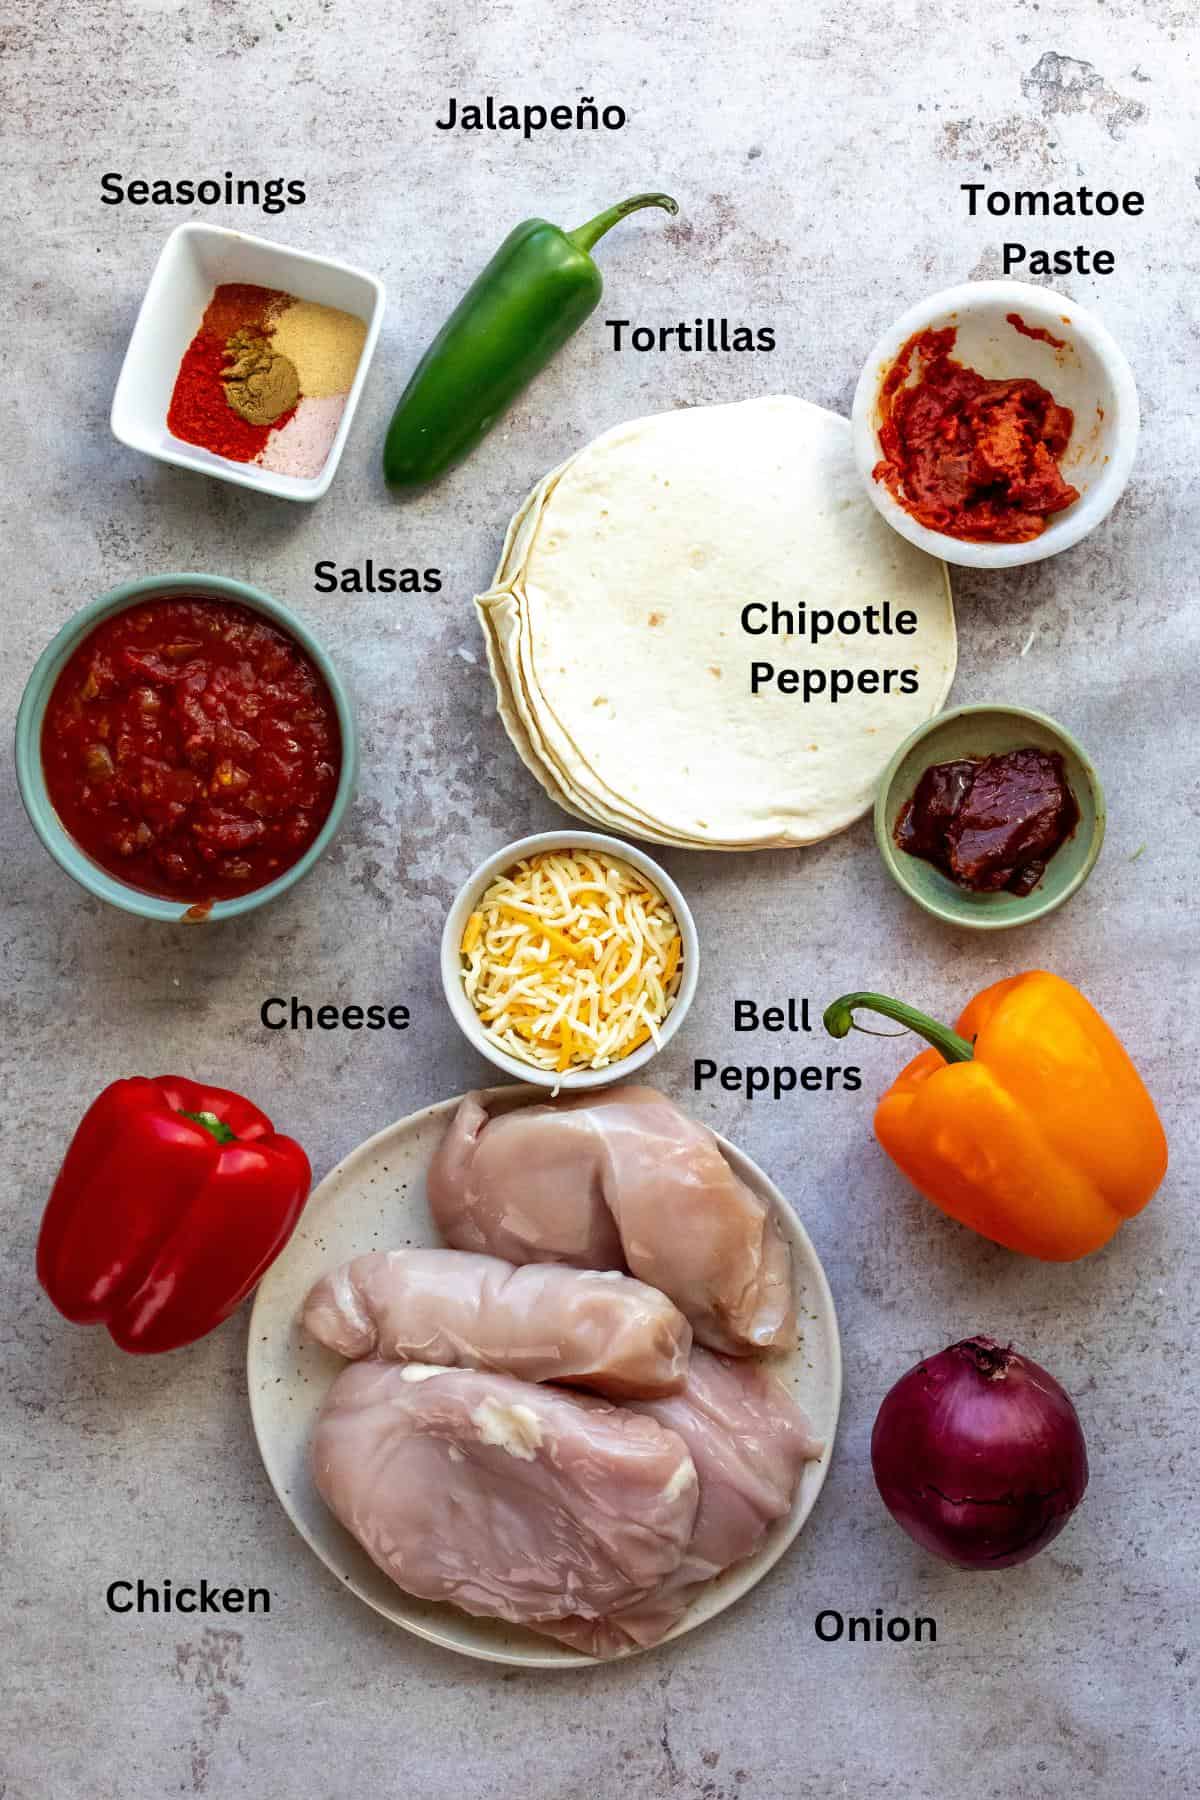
375 578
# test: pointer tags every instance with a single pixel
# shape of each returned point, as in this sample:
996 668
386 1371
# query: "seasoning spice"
323 341
266 379
301 447
200 412
238 305
259 385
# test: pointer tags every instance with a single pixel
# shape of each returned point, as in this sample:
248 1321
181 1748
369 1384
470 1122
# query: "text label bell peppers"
173 1200
1028 1122
538 288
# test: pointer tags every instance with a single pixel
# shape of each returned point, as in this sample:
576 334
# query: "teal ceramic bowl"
45 821
972 731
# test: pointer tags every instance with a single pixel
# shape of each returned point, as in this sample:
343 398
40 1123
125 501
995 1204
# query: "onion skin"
979 1455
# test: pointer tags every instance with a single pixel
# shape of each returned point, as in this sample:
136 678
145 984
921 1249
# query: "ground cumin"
260 385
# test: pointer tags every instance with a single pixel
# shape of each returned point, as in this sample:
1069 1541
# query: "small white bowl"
464 905
196 259
1090 375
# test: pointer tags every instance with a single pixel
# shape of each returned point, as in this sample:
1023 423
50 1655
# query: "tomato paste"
1036 331
191 748
972 458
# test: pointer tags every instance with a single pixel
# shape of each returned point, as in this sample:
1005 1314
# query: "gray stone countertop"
817 152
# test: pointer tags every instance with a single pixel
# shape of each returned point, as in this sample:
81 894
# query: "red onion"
979 1455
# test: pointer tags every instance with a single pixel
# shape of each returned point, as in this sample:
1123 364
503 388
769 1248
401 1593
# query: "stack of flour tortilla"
615 635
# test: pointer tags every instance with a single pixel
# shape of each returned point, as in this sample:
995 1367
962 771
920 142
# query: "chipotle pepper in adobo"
991 823
973 458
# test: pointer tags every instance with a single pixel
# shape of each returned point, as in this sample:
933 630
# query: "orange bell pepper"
1028 1123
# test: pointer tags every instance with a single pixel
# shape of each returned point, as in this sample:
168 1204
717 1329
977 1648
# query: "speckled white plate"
375 1200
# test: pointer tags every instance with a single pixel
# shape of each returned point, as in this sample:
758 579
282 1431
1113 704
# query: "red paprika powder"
200 412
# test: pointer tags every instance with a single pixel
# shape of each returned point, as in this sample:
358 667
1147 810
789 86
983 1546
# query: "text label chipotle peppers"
191 748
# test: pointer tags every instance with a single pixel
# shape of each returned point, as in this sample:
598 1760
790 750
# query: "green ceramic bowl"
988 731
31 780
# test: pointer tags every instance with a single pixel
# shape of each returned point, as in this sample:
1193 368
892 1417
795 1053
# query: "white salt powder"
307 438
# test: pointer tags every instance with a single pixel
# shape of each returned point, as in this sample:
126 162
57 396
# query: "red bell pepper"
172 1201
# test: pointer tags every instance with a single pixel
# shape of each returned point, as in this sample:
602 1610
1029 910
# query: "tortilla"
615 637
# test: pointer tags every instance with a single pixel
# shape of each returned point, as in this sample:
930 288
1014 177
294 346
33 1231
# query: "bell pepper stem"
839 1020
211 1123
585 236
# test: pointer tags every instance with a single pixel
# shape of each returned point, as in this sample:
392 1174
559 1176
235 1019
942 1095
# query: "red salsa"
191 748
973 458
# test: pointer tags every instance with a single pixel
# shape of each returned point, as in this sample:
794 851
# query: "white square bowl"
196 259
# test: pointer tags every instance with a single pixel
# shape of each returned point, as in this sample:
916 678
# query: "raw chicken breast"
598 1330
749 1441
535 1184
691 1228
510 1501
525 1185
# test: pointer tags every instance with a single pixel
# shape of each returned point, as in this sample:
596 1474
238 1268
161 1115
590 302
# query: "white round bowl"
464 905
1089 374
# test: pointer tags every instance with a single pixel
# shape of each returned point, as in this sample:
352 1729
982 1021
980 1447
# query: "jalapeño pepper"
538 288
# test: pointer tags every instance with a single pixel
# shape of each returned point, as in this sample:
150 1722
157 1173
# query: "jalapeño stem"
839 1019
584 236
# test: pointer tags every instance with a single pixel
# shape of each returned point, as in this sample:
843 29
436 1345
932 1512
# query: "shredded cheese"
572 960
